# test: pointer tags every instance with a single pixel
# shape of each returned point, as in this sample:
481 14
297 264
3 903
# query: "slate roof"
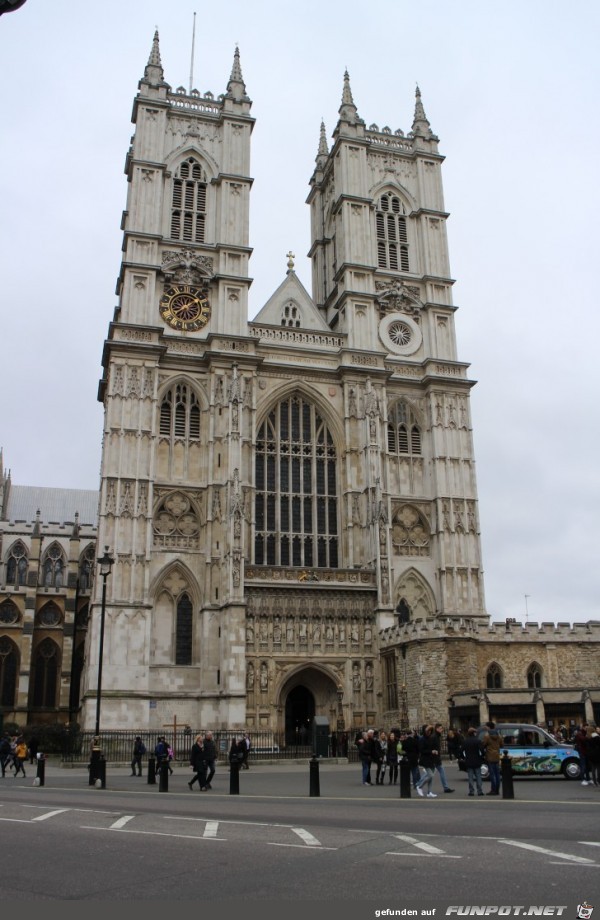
56 506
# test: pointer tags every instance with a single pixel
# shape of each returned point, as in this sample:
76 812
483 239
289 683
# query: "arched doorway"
299 713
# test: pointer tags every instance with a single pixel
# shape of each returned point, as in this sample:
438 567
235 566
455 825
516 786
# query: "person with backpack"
139 749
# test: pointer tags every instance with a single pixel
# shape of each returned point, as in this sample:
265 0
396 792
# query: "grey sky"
510 88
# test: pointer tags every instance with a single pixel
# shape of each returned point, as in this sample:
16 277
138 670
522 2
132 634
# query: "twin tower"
277 493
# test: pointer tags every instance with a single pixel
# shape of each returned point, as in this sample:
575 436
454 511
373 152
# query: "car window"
530 738
510 737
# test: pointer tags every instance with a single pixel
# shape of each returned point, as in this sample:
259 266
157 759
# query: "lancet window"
296 505
404 432
392 234
16 565
188 205
180 414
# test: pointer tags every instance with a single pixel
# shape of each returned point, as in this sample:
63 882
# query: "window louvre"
391 227
188 203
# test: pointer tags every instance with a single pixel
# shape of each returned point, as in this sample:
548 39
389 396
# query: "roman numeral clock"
185 307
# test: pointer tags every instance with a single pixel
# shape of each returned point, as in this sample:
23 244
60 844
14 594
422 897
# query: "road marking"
530 846
211 828
589 843
121 822
50 814
309 840
90 827
299 846
427 847
424 855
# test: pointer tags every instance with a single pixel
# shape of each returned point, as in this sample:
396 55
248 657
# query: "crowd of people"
423 750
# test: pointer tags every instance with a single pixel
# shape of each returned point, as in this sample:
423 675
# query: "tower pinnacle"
347 110
154 71
323 151
236 87
420 126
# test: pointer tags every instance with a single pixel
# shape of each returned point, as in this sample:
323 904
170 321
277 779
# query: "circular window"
9 613
400 334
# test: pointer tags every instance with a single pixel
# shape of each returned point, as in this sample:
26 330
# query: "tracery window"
390 681
183 636
188 205
86 568
392 234
296 505
180 414
46 668
53 567
16 565
494 678
9 613
404 432
8 673
534 675
49 615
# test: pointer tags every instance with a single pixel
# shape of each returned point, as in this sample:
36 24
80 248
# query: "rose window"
400 333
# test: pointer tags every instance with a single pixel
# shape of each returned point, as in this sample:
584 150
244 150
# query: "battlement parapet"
497 631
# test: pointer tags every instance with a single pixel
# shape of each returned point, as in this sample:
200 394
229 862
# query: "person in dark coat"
428 751
473 754
210 753
593 752
410 749
366 755
198 763
139 749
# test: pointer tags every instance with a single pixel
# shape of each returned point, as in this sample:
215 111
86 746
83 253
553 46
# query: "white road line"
211 828
90 827
309 840
299 846
50 814
121 822
424 855
427 847
529 846
589 843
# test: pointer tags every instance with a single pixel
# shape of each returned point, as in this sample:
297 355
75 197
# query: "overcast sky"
512 91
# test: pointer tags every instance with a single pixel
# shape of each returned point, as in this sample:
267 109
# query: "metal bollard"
41 769
152 770
163 783
404 778
234 778
94 765
102 771
508 789
315 789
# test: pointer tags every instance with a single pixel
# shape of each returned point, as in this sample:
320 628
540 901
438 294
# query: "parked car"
533 752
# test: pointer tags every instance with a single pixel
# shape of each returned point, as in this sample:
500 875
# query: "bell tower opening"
299 714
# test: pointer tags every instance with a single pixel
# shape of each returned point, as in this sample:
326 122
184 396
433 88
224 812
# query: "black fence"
117 746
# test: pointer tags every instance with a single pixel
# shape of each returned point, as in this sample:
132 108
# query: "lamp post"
105 564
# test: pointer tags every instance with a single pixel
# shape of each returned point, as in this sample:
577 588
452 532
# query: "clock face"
184 307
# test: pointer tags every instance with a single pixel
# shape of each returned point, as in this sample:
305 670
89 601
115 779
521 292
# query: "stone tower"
276 493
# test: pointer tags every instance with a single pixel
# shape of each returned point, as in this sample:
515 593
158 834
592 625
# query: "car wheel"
571 769
485 771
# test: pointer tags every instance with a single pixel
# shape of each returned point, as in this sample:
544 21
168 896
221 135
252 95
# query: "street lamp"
105 564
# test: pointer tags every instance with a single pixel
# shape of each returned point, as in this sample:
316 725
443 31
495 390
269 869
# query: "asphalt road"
276 847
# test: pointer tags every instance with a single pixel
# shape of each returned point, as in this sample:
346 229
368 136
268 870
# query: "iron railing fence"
117 746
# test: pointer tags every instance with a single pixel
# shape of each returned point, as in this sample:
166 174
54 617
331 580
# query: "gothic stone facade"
279 493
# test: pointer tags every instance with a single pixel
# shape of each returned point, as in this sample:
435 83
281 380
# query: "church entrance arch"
310 691
299 713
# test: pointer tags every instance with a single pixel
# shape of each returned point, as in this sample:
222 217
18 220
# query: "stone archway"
309 691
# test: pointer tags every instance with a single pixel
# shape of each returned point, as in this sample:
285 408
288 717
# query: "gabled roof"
291 290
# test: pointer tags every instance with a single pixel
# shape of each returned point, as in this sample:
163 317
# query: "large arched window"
392 234
296 509
53 567
16 565
534 675
183 637
188 205
9 667
404 432
45 679
494 678
180 414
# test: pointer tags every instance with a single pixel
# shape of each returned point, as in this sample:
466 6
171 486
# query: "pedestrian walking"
380 752
364 744
210 754
472 752
139 749
246 751
410 749
492 741
593 753
198 764
427 756
580 742
20 756
439 766
161 752
391 757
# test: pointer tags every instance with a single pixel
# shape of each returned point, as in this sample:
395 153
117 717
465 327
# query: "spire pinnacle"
420 126
323 151
347 109
236 88
154 70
